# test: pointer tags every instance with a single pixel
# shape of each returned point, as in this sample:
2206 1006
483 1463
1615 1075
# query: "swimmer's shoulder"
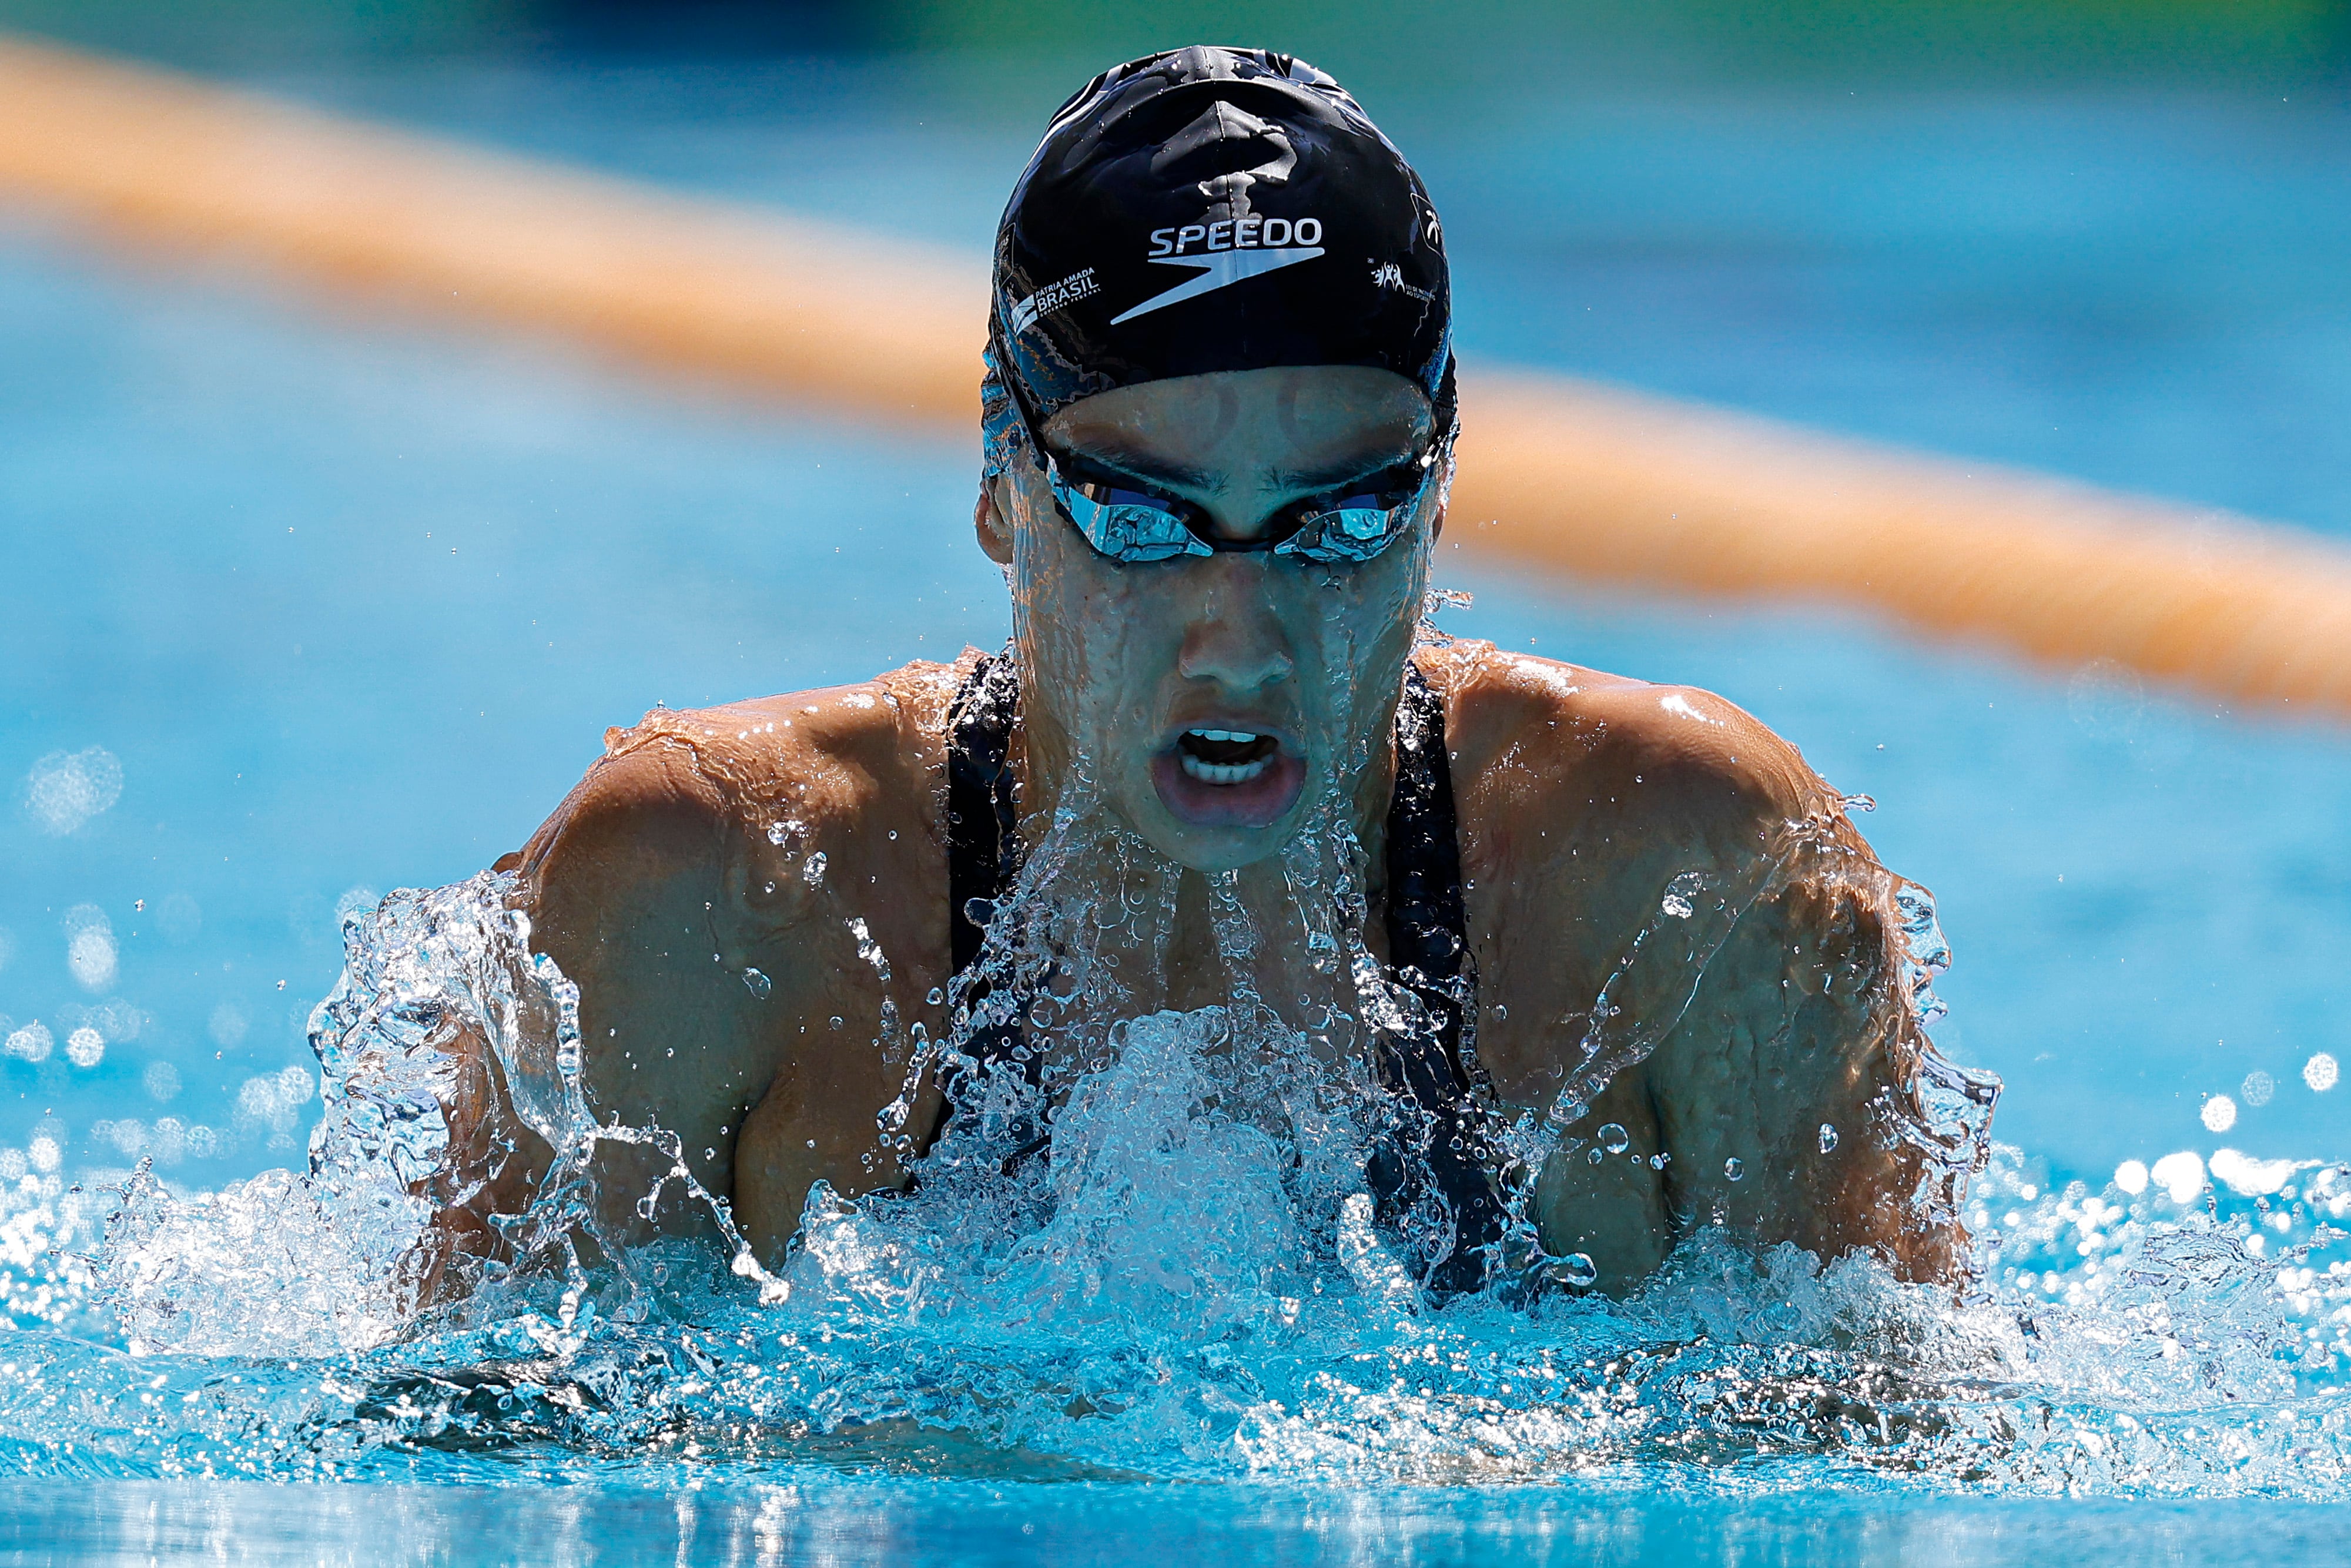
734 795
1538 741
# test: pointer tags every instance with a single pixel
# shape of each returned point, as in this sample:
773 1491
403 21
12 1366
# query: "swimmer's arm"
627 889
1612 790
1800 1024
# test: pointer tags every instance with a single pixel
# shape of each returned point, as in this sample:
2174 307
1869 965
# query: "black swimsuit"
1428 949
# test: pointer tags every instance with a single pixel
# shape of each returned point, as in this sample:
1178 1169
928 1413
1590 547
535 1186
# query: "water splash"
1194 1285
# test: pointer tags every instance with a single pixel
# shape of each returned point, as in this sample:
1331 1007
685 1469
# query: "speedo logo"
1235 233
1228 251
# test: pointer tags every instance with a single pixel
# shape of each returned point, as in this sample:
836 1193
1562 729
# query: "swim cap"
1211 209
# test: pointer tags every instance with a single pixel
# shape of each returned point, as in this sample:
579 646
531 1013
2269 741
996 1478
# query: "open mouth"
1224 756
1222 775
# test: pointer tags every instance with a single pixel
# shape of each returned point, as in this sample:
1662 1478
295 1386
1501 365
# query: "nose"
1235 635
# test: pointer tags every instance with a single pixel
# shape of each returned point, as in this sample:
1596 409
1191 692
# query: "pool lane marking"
1600 484
876 326
1614 486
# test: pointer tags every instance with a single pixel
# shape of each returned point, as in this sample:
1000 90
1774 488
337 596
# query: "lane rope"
1599 484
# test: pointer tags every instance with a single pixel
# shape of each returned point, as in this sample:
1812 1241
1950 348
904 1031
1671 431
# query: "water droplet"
1614 1138
1681 895
938 994
814 873
67 790
836 1021
1595 1156
84 1047
2258 1088
1828 1138
1577 1269
761 985
1659 1160
2321 1072
1732 1169
2219 1115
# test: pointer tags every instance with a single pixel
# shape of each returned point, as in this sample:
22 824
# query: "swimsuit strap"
983 829
1428 945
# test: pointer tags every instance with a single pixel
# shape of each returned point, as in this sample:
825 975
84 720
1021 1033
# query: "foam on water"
1194 1286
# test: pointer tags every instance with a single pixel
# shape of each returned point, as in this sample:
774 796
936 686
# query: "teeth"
1243 736
1233 773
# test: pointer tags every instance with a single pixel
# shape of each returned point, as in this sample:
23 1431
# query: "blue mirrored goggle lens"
1126 525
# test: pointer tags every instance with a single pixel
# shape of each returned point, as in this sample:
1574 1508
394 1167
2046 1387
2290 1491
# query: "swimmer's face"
1216 698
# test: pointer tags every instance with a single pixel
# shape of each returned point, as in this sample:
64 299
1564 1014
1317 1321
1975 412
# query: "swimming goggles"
1128 521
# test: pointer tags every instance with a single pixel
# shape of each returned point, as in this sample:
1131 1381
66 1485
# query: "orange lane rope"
1596 482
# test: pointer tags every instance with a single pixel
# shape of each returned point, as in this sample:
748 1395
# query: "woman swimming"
1605 961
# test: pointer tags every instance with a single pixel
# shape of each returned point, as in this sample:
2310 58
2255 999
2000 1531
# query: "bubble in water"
1828 1136
1614 1139
761 985
1594 1157
117 1020
1732 1169
938 994
90 947
2219 1113
1659 1161
2321 1072
2180 1174
163 1081
2258 1087
129 1137
68 789
31 1044
2131 1176
1577 1269
168 1140
84 1047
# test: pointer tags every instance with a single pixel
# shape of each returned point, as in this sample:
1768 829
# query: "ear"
994 529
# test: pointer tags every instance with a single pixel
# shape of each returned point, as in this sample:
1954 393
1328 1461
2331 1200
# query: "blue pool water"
304 603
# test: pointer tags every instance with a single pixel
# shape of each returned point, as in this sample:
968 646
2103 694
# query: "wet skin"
1582 796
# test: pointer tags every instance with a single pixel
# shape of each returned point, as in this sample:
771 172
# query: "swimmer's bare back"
706 884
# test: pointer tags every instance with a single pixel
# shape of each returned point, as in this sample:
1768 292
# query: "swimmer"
1219 426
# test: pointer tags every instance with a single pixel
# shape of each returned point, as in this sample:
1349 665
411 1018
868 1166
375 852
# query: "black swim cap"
1213 209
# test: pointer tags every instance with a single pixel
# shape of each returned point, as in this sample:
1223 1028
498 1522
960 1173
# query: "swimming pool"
307 609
